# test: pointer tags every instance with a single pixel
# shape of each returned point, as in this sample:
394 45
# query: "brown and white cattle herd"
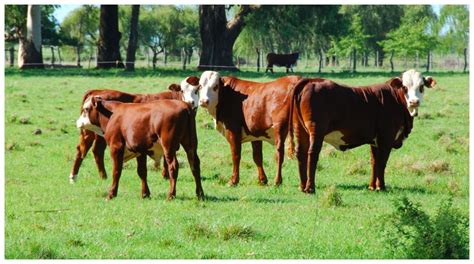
312 110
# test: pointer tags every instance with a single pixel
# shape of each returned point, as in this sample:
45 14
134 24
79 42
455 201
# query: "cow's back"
262 104
144 123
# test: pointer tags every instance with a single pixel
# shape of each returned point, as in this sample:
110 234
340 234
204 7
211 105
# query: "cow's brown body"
87 138
254 112
348 117
155 129
286 60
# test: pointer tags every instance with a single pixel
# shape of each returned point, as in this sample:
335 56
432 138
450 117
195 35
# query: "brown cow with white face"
246 111
137 130
187 91
380 115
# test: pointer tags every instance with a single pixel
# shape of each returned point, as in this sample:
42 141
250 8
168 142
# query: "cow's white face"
84 120
209 91
413 84
190 89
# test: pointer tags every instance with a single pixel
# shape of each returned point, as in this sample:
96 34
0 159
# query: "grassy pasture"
46 217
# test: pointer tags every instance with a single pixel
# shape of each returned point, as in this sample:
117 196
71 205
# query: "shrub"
412 233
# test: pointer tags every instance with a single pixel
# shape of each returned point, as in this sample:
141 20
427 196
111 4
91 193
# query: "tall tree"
354 42
80 29
455 19
219 35
377 21
133 38
29 51
109 39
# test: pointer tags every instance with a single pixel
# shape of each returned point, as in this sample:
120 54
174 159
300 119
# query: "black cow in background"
287 60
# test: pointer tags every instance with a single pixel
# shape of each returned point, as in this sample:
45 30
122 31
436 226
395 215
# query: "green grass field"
46 217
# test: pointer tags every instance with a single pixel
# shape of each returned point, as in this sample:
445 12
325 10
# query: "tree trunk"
109 39
391 60
133 40
381 55
354 60
320 53
78 51
12 54
258 59
190 55
29 51
154 59
166 56
218 36
465 60
183 58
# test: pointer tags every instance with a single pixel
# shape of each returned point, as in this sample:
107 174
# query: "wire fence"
66 57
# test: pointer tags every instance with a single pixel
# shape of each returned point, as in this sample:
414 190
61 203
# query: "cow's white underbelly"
270 138
335 139
157 150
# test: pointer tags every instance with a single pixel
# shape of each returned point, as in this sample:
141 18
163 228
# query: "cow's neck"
408 118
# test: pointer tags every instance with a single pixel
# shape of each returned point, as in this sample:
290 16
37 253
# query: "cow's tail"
293 96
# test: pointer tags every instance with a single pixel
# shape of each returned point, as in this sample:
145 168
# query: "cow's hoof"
301 188
380 189
278 183
145 195
72 178
201 197
170 197
103 175
371 188
232 184
309 190
263 182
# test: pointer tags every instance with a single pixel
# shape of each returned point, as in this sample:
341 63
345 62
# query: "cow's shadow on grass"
389 188
224 199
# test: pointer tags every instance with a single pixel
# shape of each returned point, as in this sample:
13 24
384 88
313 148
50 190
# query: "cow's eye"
196 92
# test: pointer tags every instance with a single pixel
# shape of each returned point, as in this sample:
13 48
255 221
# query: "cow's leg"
302 146
280 136
86 139
116 153
287 69
316 137
195 165
235 141
170 157
142 173
258 159
164 171
98 150
379 158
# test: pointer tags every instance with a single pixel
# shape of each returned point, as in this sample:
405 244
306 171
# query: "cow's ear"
396 83
429 81
174 87
193 80
96 100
